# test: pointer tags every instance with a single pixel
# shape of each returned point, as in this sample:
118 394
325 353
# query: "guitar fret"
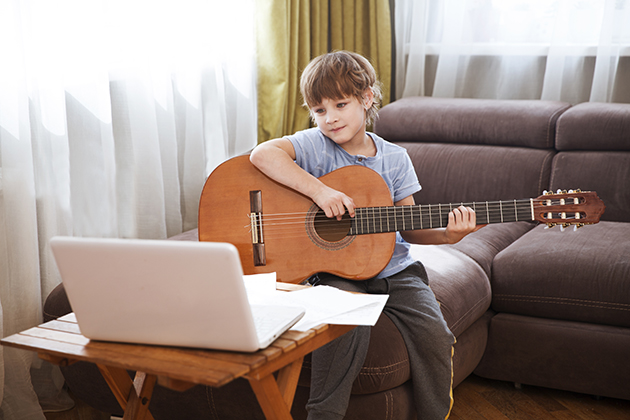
395 221
364 221
411 213
380 218
487 213
402 215
373 222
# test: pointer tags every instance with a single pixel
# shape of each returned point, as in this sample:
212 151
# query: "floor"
482 399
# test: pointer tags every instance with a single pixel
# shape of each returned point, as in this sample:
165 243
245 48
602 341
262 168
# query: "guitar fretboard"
370 220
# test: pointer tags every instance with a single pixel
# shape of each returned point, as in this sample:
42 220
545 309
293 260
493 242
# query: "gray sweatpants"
412 307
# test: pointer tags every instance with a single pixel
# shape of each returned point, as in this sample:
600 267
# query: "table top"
60 342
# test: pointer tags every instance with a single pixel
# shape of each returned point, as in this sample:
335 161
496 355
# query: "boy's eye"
341 104
319 111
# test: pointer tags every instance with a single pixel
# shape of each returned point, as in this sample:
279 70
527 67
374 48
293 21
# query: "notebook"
165 292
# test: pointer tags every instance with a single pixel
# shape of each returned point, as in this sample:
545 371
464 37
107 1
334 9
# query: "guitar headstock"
566 208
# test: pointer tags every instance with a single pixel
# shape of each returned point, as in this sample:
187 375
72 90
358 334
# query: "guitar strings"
285 223
399 211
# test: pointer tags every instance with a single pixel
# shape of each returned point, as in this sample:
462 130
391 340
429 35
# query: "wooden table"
61 342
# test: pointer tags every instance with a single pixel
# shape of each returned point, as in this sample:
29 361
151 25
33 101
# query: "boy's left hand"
461 222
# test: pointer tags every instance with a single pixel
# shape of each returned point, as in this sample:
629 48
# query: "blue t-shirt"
318 155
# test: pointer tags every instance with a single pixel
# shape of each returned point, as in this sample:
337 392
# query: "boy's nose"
331 117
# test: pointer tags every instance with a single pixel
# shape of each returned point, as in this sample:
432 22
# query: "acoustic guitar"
278 229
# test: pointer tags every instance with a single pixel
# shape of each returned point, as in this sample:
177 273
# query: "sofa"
527 303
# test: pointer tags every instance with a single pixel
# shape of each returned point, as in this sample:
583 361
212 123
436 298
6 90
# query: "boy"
342 93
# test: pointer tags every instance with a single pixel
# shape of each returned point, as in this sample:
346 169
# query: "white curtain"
112 114
574 51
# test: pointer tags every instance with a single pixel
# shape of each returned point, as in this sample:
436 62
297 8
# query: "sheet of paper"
259 286
365 315
323 304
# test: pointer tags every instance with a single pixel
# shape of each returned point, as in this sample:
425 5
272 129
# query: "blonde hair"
338 75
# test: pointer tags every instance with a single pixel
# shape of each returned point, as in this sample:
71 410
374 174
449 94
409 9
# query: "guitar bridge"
255 219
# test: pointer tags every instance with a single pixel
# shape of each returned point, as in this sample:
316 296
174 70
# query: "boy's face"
343 120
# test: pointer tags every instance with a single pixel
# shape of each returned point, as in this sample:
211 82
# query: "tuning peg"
550 225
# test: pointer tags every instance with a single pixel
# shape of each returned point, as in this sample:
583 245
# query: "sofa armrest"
57 304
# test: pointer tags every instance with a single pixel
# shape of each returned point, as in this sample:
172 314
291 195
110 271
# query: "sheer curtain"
574 51
112 114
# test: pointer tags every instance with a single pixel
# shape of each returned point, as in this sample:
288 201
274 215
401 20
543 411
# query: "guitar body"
292 246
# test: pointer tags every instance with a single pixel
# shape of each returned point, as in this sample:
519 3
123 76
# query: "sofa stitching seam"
210 400
564 301
383 370
542 171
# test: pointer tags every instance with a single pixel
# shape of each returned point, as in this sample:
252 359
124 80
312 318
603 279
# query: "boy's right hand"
276 159
334 203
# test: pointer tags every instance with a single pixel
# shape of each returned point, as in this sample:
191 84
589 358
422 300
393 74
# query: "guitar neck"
370 220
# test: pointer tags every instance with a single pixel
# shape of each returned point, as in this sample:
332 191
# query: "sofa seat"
568 283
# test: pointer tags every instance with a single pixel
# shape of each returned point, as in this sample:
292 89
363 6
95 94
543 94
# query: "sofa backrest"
474 150
593 143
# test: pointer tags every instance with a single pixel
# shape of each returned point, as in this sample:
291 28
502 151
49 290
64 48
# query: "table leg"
288 380
133 396
270 398
140 397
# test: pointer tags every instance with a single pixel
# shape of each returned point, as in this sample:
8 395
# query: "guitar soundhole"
332 230
327 233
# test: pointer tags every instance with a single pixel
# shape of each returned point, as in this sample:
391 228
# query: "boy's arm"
276 159
461 222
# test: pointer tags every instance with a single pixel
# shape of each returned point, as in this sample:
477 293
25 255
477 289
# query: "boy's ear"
368 98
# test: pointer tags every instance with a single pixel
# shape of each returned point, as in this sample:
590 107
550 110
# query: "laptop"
165 292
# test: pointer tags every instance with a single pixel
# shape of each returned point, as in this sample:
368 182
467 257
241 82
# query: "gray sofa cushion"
594 126
458 282
483 245
554 274
452 173
594 144
471 121
606 173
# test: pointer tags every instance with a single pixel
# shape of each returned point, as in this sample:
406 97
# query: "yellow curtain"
289 33
364 26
